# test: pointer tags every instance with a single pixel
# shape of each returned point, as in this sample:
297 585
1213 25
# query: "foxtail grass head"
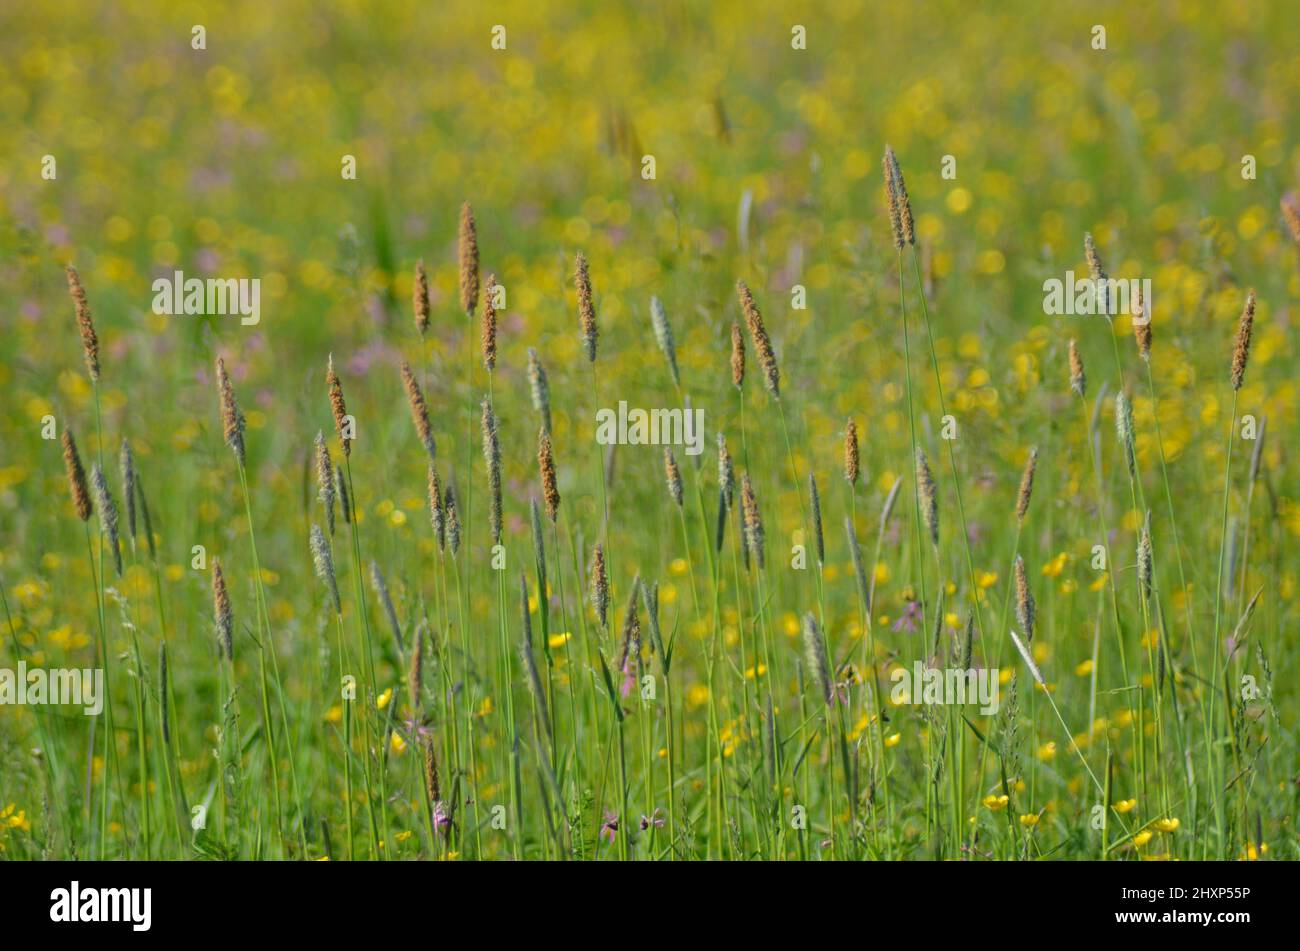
419 410
76 477
737 356
851 456
1144 558
762 343
452 516
673 477
818 658
492 456
586 307
323 561
546 466
325 480
599 585
539 389
754 537
900 205
1078 381
664 337
420 298
126 464
1026 486
223 617
815 501
437 517
726 471
1124 430
1141 323
1241 348
232 420
85 325
1291 213
467 256
107 514
338 407
488 330
1025 607
927 496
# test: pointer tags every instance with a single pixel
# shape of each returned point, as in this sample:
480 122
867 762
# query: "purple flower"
910 617
655 820
609 831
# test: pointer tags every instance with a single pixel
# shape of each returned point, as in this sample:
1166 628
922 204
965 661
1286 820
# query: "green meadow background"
227 161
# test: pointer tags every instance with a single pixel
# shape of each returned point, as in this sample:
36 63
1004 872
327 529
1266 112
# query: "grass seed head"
927 495
107 514
436 514
488 330
726 471
222 615
453 519
818 660
762 343
546 465
323 560
232 420
1144 558
1241 348
754 538
1124 430
664 336
586 307
467 255
851 457
345 500
85 325
325 480
673 476
905 231
599 585
126 463
1141 324
420 298
539 389
737 356
816 507
1025 607
1291 212
1026 486
1078 381
76 477
338 407
492 456
386 602
419 410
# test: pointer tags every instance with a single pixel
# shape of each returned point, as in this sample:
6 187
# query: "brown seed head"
546 464
1078 381
737 356
89 342
1141 324
419 410
586 307
420 298
437 516
492 456
891 199
232 420
673 475
76 477
1026 486
467 248
726 471
758 336
906 231
325 480
339 408
1025 608
452 514
1241 350
431 784
488 330
599 584
851 452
